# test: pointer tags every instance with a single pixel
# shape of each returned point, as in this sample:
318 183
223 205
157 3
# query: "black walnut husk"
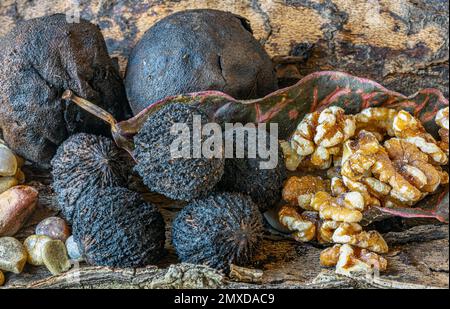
245 175
219 230
177 178
117 228
83 164
198 50
40 58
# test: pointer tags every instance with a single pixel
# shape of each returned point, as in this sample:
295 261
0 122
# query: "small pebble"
2 278
8 162
7 182
54 227
17 204
34 244
72 249
54 255
13 255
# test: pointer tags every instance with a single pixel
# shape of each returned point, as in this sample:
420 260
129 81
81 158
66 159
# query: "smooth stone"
13 255
54 227
7 183
2 278
8 162
34 244
54 255
73 250
16 205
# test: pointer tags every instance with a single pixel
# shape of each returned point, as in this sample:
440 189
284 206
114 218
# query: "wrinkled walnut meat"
442 122
345 208
410 129
300 190
399 172
377 120
320 136
365 157
413 165
332 218
303 229
348 259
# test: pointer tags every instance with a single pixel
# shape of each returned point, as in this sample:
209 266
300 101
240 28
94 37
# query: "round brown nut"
54 227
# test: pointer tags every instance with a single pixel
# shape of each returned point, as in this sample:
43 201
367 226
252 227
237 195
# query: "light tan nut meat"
325 230
300 190
413 165
330 209
354 260
369 199
330 256
291 159
303 229
377 120
410 129
353 234
442 121
369 158
338 186
320 136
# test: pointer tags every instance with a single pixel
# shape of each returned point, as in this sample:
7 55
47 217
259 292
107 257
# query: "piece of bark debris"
247 275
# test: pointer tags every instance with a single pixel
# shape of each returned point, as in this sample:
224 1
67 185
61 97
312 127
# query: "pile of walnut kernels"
379 157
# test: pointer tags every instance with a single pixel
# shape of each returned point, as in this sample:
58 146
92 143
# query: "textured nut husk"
16 205
54 256
54 227
7 182
33 244
8 162
13 255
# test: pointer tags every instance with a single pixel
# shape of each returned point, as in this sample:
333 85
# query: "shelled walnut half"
442 121
348 260
302 229
365 157
300 190
320 136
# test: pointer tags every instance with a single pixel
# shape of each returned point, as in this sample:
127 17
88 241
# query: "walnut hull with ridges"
83 164
117 228
219 230
177 178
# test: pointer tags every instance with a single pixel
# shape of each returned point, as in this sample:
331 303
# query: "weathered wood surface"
402 44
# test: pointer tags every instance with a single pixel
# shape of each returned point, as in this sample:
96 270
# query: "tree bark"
402 44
